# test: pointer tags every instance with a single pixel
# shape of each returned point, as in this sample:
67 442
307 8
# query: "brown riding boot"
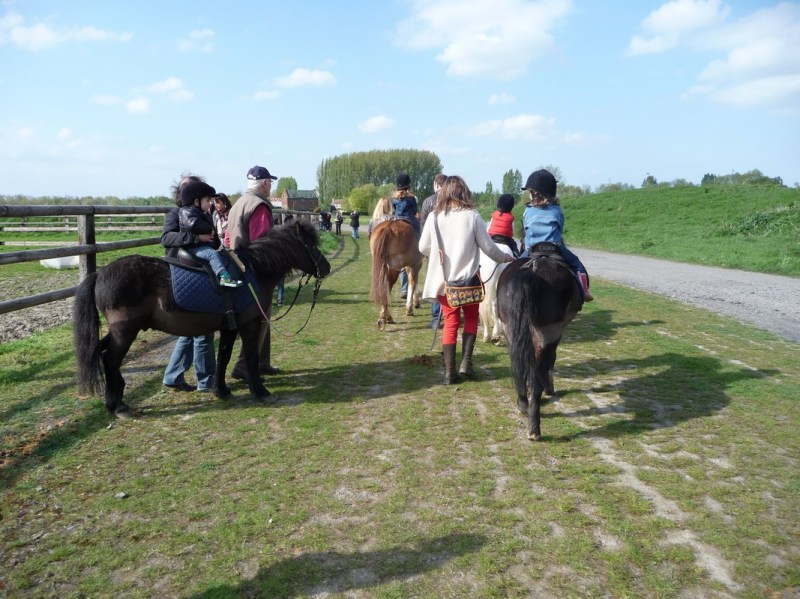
467 345
450 374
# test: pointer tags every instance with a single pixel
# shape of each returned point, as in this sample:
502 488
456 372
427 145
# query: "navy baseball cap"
259 172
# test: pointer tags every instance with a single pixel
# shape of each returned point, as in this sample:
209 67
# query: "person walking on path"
354 223
456 232
427 206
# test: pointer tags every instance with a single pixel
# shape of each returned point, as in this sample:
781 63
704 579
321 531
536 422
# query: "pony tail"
86 334
521 350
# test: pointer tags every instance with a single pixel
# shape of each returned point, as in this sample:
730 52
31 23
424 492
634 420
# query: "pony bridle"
317 284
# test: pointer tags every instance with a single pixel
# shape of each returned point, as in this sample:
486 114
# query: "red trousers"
452 320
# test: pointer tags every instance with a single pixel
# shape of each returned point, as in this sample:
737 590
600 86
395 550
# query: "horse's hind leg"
411 298
116 345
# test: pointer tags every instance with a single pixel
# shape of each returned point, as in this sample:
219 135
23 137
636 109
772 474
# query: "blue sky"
115 98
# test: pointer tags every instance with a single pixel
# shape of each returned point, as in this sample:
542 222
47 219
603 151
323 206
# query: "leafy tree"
489 188
285 183
363 197
512 182
649 181
339 175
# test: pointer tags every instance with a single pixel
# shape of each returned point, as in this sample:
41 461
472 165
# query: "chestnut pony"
394 245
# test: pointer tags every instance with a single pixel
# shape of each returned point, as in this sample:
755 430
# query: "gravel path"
769 302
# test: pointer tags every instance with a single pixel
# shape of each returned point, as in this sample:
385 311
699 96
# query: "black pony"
537 299
134 293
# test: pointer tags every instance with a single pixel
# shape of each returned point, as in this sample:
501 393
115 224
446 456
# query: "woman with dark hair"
222 206
456 232
200 349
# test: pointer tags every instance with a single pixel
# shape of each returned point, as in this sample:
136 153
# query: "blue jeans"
199 350
436 309
206 252
355 232
403 282
279 288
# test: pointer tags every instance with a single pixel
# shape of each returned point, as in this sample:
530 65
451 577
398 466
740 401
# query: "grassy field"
668 466
750 227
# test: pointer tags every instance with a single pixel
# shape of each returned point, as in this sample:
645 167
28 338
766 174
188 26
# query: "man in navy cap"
248 219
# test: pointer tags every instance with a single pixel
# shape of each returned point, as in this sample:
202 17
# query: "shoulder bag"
459 292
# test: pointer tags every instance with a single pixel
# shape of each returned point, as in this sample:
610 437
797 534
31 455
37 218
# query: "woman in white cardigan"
463 234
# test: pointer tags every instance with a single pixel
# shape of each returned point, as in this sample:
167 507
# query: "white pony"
490 273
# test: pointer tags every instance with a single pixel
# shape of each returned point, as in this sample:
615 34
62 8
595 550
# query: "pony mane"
273 251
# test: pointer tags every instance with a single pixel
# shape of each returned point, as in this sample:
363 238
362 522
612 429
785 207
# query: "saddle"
195 286
545 249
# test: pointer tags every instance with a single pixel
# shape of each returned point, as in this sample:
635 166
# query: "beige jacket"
464 235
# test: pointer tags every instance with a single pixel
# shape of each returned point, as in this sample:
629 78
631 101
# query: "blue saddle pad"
194 291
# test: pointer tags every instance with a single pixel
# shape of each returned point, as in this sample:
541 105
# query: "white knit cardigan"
464 236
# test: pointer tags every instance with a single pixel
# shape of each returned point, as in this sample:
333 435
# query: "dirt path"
769 302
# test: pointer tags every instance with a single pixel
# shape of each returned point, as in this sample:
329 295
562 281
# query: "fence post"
87 263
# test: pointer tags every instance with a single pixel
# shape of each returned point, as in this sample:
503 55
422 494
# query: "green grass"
749 227
674 434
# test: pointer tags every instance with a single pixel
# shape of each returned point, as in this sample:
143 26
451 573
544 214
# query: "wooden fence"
86 247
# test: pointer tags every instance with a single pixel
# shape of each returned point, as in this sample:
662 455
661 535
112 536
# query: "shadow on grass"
326 572
599 325
684 388
37 444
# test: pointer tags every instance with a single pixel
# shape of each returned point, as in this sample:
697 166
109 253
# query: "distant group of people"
446 222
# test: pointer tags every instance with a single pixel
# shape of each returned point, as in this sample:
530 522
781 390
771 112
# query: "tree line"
363 177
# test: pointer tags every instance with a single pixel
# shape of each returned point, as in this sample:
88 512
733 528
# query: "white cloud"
264 95
376 124
200 40
496 99
307 77
173 87
138 105
758 61
64 134
666 26
41 36
484 39
105 100
168 85
181 95
523 126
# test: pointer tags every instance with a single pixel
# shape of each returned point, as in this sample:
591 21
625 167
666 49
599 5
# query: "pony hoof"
268 399
123 413
534 437
409 312
223 393
381 324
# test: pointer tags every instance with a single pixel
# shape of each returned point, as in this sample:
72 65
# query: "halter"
317 285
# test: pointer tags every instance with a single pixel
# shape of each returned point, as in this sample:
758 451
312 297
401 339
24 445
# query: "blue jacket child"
543 220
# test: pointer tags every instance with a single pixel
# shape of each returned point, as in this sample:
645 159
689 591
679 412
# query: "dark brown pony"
537 299
134 293
394 245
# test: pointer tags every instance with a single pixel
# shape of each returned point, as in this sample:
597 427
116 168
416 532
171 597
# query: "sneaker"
226 281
